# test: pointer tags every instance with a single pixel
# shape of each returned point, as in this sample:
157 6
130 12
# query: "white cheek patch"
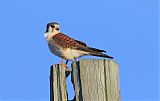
50 30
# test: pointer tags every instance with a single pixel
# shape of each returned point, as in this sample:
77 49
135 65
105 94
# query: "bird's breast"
55 50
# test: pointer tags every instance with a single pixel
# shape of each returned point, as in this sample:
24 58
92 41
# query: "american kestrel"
66 47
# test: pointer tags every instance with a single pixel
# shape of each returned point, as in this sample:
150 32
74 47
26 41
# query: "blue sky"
127 29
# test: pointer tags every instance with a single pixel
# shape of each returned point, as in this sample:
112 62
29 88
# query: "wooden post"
58 76
93 80
98 80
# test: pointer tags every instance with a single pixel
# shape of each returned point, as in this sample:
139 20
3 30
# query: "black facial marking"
52 26
57 28
47 29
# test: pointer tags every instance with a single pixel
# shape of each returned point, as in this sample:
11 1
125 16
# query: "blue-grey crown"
51 23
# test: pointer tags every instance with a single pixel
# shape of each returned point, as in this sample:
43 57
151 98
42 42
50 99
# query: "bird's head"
51 27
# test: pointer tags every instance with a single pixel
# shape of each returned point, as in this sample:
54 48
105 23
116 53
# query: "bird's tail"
101 55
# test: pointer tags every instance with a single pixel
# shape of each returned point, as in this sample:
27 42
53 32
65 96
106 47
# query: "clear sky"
127 29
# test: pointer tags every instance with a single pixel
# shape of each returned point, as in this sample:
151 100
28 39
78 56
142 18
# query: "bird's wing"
82 43
94 49
64 41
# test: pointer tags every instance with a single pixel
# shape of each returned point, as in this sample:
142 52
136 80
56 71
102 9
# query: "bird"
68 48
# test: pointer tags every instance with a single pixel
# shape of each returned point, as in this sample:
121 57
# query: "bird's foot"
64 65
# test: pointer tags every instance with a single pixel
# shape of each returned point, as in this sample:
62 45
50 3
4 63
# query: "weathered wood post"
58 76
93 80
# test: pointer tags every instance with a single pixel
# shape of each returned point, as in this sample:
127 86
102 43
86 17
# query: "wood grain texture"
75 81
98 80
58 90
93 80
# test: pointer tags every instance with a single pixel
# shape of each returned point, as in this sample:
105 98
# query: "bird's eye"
52 26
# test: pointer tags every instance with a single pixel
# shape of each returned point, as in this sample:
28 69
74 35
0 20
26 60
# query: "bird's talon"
64 65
